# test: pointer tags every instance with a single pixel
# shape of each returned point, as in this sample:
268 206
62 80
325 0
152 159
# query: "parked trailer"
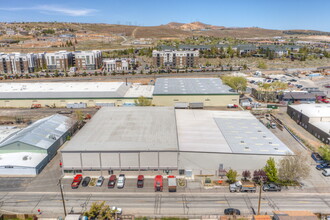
76 105
239 187
196 105
105 104
158 183
171 183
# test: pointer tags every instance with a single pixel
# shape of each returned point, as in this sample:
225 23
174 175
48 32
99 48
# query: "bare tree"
293 168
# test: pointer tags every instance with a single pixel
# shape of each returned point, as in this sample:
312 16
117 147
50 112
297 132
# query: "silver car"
100 181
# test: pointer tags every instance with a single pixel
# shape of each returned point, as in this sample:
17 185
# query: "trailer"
158 183
239 187
171 183
76 105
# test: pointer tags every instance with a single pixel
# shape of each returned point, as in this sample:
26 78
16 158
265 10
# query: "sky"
271 14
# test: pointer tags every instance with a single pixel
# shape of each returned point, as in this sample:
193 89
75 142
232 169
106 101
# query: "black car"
271 187
231 211
86 181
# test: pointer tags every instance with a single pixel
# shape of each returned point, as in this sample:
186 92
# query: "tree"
246 174
100 211
325 152
259 176
231 175
293 167
271 170
142 101
238 83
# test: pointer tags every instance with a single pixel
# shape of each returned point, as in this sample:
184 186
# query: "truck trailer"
239 187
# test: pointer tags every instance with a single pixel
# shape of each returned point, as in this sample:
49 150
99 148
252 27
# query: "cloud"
52 9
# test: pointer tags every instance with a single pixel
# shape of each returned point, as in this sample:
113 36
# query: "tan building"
122 64
87 60
193 92
175 59
61 60
17 63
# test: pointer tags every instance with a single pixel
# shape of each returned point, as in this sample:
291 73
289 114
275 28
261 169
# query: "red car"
112 181
140 181
325 100
76 181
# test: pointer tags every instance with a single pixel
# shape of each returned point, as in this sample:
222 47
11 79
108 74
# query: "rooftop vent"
242 142
26 157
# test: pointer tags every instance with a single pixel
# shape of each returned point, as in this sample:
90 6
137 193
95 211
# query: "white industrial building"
62 94
168 139
27 151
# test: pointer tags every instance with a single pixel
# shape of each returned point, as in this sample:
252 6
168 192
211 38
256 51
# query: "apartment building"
17 63
175 59
61 60
122 64
87 60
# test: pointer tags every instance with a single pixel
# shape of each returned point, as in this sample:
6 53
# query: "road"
164 203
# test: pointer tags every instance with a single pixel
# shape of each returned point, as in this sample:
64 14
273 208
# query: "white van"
326 172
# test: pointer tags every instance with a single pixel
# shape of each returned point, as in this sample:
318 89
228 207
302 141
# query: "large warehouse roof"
313 110
63 90
127 129
42 133
225 132
192 86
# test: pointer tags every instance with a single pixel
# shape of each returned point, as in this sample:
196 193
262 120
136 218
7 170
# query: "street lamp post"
259 202
61 188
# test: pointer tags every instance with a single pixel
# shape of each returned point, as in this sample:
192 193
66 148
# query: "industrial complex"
183 141
27 151
166 92
315 118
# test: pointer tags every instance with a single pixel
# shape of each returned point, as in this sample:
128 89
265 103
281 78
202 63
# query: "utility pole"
63 201
259 202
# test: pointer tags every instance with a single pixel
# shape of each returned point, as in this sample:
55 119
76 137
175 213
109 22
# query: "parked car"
326 172
271 187
86 181
140 181
112 181
323 166
121 181
317 157
100 181
231 211
76 181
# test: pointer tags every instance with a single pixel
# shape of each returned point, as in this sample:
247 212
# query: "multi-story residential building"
175 59
61 60
123 64
87 60
16 63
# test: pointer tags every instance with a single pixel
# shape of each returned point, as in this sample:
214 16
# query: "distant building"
87 60
61 60
294 215
123 64
175 58
10 32
315 118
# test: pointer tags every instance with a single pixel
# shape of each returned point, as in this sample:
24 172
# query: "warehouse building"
66 94
185 92
178 141
315 118
27 151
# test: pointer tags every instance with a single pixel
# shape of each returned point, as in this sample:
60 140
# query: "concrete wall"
208 100
27 103
119 161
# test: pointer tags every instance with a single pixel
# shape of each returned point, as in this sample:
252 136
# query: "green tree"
271 170
100 211
238 83
325 152
142 101
232 175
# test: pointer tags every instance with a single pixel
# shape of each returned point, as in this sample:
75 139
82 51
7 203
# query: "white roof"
137 90
6 131
21 159
313 110
226 132
63 90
